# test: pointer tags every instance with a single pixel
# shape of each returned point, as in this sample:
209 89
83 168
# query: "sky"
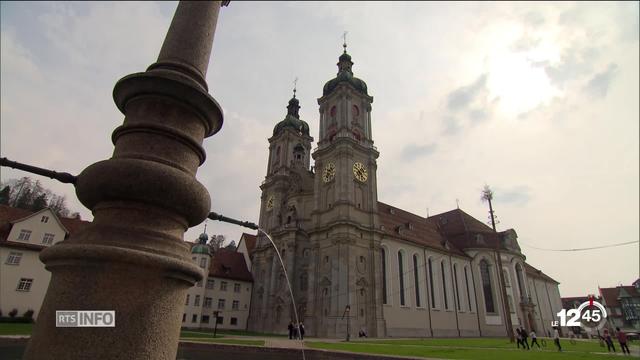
537 100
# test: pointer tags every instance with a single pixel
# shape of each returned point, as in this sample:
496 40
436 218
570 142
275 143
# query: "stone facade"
359 264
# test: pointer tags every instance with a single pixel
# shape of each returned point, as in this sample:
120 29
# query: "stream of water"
293 300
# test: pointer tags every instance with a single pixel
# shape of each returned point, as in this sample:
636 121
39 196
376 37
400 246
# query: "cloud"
518 196
462 97
413 151
468 105
525 43
599 84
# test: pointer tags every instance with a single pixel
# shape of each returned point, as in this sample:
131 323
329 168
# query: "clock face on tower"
329 172
270 202
360 172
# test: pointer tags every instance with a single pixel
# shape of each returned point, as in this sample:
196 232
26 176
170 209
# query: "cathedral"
358 264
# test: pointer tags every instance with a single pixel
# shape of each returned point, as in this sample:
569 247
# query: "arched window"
383 254
485 275
433 296
416 280
401 273
466 281
332 114
277 158
444 286
455 285
355 113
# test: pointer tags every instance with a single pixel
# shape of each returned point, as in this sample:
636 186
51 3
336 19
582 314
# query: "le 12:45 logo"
590 315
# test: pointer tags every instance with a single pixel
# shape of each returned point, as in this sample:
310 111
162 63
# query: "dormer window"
47 239
24 235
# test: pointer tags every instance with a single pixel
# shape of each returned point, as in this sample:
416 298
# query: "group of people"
296 331
522 338
622 339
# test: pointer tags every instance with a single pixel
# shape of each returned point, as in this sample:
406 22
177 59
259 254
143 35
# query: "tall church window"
332 114
276 155
383 253
401 273
416 280
433 296
485 275
466 281
355 112
444 286
520 279
455 284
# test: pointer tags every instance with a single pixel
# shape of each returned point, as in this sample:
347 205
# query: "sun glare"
520 85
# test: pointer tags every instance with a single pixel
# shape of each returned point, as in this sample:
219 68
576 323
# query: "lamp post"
132 258
346 313
215 325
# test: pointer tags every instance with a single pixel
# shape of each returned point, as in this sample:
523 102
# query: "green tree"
39 202
5 194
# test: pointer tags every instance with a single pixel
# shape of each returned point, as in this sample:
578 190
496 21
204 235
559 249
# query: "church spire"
294 105
344 61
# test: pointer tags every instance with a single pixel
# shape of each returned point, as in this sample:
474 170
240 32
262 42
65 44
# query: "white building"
23 234
225 290
246 245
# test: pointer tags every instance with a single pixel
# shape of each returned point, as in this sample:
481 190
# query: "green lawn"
198 334
241 333
229 341
15 329
477 349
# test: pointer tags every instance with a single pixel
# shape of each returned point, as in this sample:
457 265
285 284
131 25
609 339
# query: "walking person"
556 338
296 331
290 327
301 327
519 338
534 339
608 340
525 336
622 339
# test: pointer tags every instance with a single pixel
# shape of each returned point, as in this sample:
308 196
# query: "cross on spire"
295 86
344 44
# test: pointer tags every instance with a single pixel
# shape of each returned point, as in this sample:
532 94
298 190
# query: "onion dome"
201 247
292 120
345 74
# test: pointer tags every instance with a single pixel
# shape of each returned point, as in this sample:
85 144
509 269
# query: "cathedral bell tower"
286 202
289 159
346 233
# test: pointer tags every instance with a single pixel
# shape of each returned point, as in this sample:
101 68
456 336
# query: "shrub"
28 314
13 313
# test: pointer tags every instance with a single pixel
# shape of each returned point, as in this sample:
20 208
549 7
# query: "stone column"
132 258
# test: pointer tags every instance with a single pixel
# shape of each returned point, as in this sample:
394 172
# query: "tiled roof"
611 295
413 228
457 221
533 272
250 241
228 264
8 215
